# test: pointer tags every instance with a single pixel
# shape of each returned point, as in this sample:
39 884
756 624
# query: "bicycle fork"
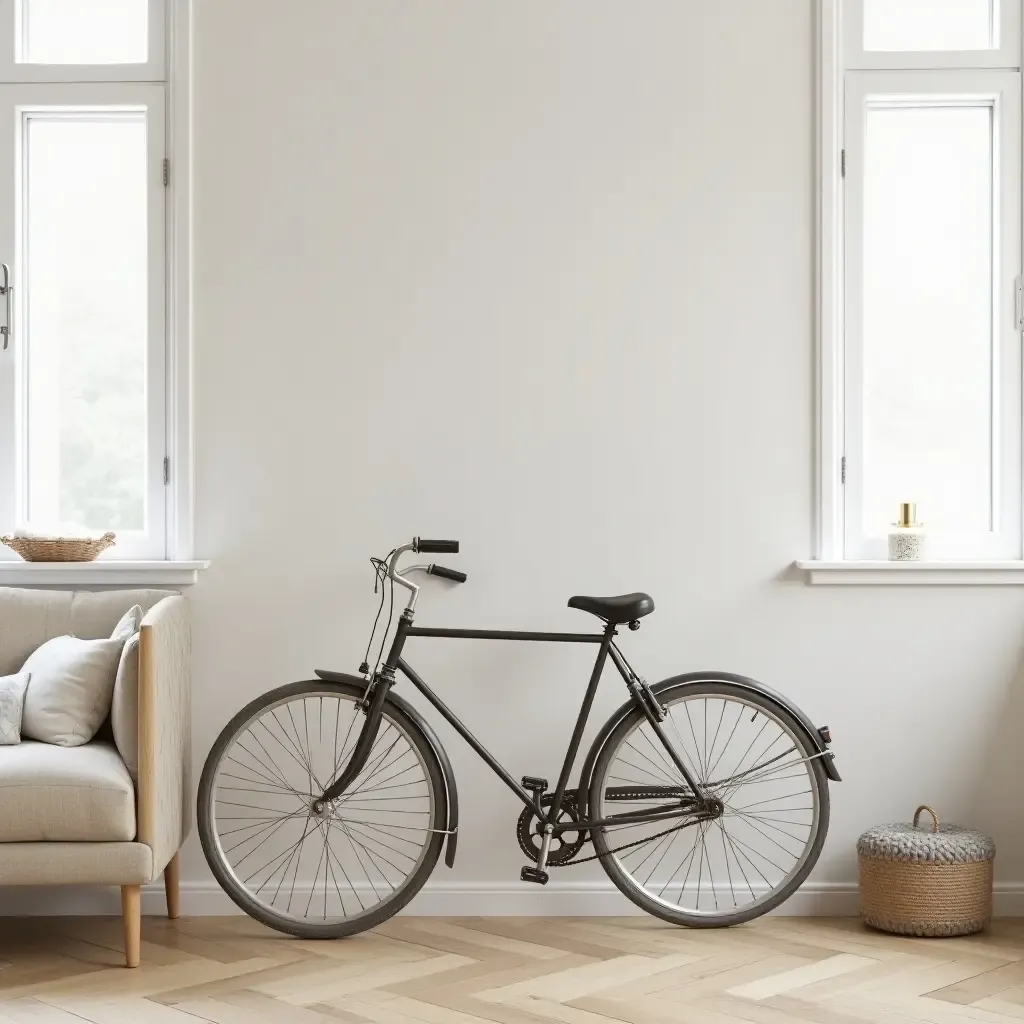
378 694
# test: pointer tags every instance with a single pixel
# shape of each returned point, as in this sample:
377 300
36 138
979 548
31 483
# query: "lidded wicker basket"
59 549
933 881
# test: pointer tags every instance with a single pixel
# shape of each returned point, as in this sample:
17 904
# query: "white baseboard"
451 899
437 899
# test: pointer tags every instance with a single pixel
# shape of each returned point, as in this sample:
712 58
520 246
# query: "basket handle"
935 817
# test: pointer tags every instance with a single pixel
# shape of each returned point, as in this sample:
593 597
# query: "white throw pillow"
12 702
124 711
72 684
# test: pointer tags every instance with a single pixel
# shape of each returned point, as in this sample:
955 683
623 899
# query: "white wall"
537 274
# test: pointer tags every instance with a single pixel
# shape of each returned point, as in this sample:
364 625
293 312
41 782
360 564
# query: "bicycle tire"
228 878
606 840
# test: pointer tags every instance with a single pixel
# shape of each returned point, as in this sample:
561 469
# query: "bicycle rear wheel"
351 865
750 754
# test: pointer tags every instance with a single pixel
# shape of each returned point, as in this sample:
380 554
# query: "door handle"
5 290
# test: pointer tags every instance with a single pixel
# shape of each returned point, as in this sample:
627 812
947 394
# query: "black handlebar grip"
437 547
447 574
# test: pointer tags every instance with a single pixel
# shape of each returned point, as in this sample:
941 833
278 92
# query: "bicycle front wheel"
320 872
743 750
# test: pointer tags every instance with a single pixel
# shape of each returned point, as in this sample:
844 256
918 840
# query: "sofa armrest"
165 729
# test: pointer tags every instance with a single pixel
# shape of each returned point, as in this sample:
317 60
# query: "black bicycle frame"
396 663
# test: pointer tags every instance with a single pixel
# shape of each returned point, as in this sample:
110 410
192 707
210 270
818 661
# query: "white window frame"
1000 91
152 70
833 561
169 70
1006 29
19 104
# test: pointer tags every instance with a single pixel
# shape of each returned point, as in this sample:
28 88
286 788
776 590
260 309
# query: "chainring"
565 845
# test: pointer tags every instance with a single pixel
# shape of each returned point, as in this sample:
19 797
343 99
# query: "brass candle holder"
906 541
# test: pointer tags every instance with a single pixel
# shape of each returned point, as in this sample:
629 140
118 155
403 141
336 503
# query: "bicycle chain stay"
626 846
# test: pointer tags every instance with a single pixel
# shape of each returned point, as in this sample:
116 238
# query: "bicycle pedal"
531 874
534 784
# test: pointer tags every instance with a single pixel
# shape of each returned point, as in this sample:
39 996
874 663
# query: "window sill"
904 574
106 572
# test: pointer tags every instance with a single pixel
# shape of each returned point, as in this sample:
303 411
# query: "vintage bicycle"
324 804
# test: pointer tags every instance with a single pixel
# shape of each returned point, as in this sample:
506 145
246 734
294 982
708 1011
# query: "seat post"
581 722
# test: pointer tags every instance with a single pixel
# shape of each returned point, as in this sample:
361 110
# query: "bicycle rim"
743 751
326 873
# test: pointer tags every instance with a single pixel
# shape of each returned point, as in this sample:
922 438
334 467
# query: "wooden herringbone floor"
508 970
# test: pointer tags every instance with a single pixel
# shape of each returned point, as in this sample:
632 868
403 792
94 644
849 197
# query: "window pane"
86 329
928 25
928 194
85 31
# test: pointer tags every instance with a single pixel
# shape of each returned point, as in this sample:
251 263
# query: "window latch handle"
5 290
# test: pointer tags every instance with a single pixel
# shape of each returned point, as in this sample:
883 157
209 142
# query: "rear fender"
691 678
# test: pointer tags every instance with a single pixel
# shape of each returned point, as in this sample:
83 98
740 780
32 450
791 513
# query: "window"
87 424
921 264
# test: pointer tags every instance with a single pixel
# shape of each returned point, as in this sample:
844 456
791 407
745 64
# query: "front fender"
446 770
743 682
451 789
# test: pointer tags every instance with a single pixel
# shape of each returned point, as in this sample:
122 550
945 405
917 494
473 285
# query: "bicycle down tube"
395 662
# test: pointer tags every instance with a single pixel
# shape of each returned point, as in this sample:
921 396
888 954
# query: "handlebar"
426 546
435 547
446 574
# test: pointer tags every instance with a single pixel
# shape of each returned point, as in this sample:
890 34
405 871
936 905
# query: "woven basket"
928 882
59 549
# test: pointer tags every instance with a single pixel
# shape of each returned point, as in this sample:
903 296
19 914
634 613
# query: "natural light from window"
927 314
85 31
928 25
86 324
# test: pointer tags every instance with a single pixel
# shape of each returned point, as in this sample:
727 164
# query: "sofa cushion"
69 794
28 618
72 683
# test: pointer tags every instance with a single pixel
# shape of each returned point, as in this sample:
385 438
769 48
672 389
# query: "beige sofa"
110 812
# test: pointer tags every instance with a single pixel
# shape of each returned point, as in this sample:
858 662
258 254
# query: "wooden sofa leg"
171 878
131 908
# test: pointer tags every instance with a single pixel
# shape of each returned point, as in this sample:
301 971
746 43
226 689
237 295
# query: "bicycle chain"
626 846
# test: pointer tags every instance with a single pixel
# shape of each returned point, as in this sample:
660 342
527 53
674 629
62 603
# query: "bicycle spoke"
776 828
669 770
297 759
693 850
661 775
259 775
725 836
725 858
739 715
718 729
369 877
272 772
701 775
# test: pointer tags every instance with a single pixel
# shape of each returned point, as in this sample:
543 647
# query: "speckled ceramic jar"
932 881
906 545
